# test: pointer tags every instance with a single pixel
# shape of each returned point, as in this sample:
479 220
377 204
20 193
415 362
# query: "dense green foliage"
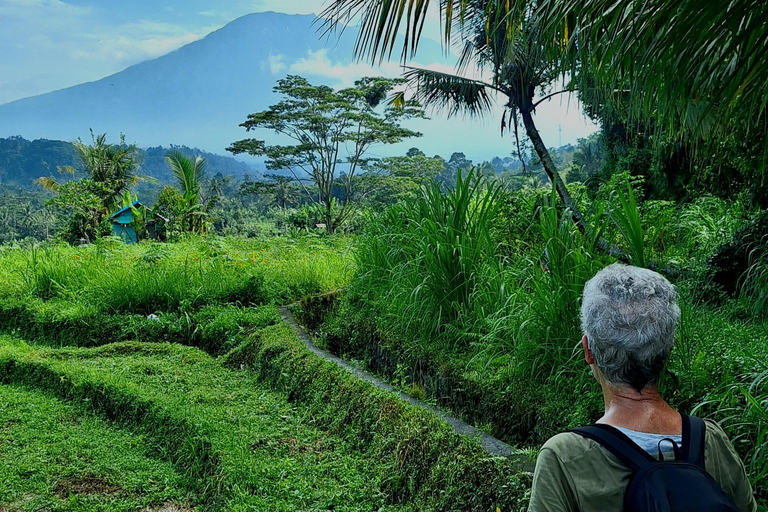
23 161
506 353
235 203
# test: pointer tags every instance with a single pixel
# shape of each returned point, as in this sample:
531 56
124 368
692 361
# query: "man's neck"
644 411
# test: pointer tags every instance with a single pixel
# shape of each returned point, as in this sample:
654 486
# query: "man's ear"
587 353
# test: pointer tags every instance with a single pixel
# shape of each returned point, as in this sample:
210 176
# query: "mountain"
197 95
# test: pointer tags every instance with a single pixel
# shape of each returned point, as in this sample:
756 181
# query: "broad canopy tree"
390 179
329 132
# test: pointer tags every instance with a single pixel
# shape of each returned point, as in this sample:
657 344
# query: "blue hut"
122 221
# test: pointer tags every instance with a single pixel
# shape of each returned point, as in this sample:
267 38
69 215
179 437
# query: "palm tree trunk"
549 166
562 191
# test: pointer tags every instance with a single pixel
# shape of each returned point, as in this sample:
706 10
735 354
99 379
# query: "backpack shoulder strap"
616 442
694 430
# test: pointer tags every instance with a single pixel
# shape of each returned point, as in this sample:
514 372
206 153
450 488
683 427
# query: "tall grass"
742 409
627 219
707 222
754 283
433 261
551 329
152 277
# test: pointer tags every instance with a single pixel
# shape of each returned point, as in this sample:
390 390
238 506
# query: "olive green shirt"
576 474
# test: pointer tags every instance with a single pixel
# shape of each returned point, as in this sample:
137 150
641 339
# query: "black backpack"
659 485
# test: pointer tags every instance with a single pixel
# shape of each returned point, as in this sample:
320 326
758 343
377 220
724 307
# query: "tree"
507 38
330 132
588 156
388 180
111 167
193 208
110 170
278 187
685 65
519 69
677 62
82 201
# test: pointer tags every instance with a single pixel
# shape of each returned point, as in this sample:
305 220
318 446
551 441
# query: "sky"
47 45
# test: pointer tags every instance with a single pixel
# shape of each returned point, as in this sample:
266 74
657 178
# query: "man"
629 316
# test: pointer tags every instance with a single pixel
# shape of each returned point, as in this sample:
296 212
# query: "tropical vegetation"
458 282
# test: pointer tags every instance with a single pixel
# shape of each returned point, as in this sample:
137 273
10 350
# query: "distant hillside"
154 164
22 161
197 95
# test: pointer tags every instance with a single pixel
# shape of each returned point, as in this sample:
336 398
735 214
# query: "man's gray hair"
629 315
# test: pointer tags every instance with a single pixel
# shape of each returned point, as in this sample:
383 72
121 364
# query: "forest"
154 365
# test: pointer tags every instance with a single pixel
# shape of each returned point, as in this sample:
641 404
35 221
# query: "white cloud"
127 50
275 64
319 64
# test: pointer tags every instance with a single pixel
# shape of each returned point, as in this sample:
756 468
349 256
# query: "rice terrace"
303 310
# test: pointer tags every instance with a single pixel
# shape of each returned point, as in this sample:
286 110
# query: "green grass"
152 277
215 329
470 298
56 456
296 433
242 447
510 358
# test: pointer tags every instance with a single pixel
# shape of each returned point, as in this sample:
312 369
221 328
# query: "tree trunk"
549 166
562 191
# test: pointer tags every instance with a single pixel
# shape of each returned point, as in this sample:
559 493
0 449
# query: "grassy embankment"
266 425
189 292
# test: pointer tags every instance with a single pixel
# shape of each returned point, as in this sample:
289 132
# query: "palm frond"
382 21
188 172
451 93
48 183
685 62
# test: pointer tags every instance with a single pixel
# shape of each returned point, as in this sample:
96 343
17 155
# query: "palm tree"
111 167
680 60
194 208
588 157
518 68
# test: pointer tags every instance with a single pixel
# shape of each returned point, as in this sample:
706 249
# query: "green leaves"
193 212
627 220
456 94
434 257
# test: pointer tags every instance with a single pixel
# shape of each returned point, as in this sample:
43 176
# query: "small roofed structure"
123 223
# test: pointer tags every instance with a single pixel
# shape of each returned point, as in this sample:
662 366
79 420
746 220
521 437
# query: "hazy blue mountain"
196 96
